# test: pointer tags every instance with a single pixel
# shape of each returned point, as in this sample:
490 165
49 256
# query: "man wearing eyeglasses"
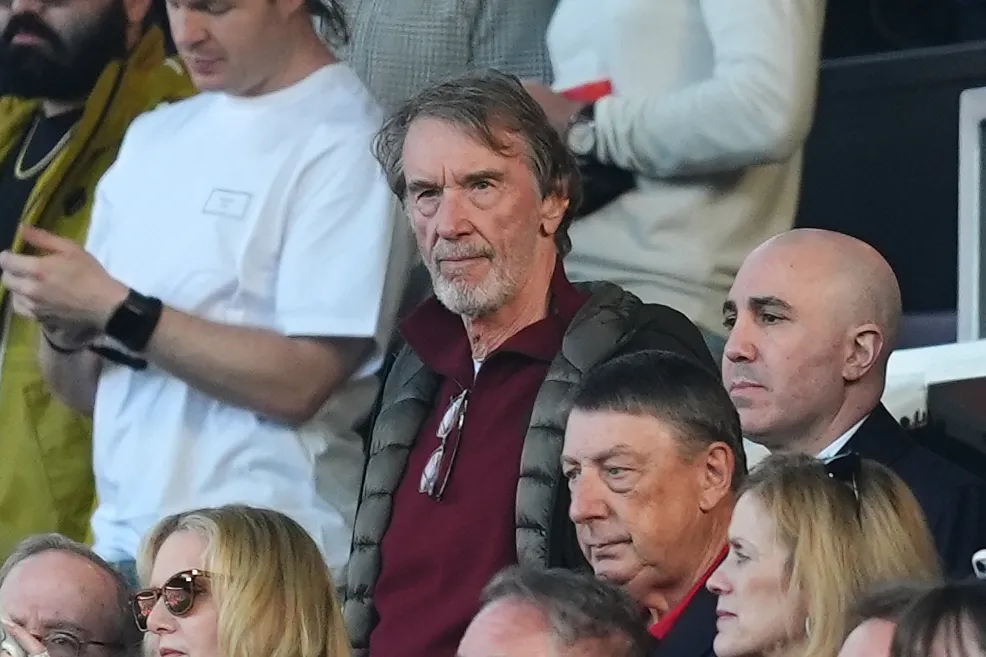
59 599
463 477
812 317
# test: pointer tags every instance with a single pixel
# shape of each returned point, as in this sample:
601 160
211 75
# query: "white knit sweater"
711 105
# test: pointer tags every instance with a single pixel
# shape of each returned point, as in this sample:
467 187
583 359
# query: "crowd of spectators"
424 329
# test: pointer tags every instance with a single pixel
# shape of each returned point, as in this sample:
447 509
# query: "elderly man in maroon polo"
463 476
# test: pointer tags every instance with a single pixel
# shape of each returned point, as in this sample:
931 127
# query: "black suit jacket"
694 631
954 500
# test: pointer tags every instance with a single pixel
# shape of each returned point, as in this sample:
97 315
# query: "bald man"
812 318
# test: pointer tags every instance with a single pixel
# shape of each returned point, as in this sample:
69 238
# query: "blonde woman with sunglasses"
236 581
806 538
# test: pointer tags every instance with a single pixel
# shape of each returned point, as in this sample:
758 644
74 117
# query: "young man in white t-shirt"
241 274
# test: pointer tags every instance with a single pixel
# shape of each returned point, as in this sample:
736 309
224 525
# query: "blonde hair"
273 589
840 547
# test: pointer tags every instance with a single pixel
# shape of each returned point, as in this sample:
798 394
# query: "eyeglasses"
63 644
178 593
453 418
847 469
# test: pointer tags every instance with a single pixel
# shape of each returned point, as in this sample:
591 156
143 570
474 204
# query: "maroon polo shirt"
437 555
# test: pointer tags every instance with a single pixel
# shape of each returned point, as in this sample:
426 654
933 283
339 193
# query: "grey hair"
888 601
128 636
577 607
487 105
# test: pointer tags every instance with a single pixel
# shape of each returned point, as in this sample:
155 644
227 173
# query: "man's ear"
553 208
718 463
863 351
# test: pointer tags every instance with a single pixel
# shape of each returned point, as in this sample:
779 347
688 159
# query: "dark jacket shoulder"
953 499
694 632
646 325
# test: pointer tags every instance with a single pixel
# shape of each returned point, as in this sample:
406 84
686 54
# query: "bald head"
872 638
852 274
507 628
813 316
60 591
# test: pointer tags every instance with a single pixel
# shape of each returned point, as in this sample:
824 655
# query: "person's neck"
308 55
823 431
663 600
529 305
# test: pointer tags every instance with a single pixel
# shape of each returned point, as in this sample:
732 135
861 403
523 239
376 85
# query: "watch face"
582 138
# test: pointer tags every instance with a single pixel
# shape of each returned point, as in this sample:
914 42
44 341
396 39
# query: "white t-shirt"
268 212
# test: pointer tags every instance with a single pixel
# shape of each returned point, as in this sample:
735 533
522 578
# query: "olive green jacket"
46 475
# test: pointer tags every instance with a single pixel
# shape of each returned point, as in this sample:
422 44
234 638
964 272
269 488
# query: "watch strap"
57 348
134 321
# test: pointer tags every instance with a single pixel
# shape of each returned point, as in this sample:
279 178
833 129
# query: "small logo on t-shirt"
226 203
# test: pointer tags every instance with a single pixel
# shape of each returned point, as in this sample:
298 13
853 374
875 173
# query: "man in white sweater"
707 103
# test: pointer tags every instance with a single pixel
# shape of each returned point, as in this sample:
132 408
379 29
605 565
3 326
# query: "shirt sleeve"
755 109
333 265
509 36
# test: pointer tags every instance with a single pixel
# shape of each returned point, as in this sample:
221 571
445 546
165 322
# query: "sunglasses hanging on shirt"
450 428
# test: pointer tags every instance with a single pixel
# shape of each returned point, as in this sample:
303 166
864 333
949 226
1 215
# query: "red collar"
661 628
439 337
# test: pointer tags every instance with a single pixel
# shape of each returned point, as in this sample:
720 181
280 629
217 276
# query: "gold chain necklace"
25 174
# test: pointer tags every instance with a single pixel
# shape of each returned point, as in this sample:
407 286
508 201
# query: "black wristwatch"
133 322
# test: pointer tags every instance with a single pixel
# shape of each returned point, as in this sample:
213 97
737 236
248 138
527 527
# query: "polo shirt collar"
438 336
661 628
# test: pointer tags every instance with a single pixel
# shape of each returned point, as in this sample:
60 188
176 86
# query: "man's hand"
24 638
64 288
559 109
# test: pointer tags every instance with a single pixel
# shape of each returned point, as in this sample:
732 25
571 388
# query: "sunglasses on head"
178 594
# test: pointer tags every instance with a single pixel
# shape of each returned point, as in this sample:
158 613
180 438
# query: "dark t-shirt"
24 165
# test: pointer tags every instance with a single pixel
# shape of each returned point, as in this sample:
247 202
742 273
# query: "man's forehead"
510 626
788 265
756 300
57 588
770 276
432 142
602 434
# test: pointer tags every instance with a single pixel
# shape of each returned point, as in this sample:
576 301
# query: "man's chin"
614 572
29 73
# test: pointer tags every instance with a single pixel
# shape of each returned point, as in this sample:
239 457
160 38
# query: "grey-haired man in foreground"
557 613
59 599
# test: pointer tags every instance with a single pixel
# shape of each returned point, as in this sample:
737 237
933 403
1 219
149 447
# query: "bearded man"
73 75
464 474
